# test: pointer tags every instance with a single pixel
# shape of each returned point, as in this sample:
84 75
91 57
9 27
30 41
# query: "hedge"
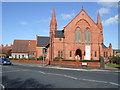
89 60
69 60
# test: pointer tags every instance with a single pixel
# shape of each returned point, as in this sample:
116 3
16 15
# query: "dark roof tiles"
104 46
24 46
59 34
42 41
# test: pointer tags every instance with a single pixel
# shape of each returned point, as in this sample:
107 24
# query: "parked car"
6 61
0 61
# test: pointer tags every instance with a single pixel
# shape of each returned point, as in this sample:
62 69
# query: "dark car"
6 61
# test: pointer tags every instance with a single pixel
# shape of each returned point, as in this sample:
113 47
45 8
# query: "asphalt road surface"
19 76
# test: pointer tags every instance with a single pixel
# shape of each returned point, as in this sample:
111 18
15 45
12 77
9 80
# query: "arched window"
77 35
70 53
87 35
95 55
58 53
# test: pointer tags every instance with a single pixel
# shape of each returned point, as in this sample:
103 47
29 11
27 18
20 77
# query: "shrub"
24 58
31 58
69 60
59 58
41 58
11 58
15 58
89 60
115 59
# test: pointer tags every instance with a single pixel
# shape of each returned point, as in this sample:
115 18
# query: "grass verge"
113 65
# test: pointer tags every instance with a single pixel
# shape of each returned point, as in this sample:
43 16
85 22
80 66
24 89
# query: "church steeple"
99 21
99 24
53 23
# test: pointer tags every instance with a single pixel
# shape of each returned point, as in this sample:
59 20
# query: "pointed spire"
98 18
53 22
99 21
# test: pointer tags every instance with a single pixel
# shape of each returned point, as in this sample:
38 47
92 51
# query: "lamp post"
44 52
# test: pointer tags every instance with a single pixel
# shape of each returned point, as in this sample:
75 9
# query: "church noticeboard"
87 53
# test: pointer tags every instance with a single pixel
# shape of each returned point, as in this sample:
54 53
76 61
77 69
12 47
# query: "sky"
25 20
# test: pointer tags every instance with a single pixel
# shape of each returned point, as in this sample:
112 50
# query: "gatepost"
102 64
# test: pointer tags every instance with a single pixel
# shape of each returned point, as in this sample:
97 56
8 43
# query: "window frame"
70 53
59 54
87 35
77 35
95 54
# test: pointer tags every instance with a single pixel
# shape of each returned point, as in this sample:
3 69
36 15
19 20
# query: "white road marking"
68 68
114 83
93 80
3 87
41 72
71 77
55 74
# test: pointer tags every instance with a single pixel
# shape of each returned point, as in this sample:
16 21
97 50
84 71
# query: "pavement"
107 68
22 75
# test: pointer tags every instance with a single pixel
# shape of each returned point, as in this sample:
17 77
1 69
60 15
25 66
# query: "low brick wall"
29 61
60 62
76 63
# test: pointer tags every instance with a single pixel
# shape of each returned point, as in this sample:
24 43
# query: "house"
24 48
4 49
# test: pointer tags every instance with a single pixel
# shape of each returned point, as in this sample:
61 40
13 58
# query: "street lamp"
44 52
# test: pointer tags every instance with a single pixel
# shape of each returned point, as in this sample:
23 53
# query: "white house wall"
21 54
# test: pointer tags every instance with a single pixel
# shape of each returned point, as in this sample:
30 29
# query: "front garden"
114 61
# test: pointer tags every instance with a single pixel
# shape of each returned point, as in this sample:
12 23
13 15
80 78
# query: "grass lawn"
113 65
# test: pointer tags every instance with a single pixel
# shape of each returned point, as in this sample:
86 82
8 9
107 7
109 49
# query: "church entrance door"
78 54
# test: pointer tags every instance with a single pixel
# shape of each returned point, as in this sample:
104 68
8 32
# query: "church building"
81 38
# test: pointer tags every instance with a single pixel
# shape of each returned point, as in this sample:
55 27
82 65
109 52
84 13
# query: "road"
19 76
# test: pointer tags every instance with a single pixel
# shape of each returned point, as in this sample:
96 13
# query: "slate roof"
24 46
104 46
42 41
59 34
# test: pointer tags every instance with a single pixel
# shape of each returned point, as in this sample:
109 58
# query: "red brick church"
81 38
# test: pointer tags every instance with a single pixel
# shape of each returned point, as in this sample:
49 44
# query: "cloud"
108 3
68 16
111 20
103 11
23 23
